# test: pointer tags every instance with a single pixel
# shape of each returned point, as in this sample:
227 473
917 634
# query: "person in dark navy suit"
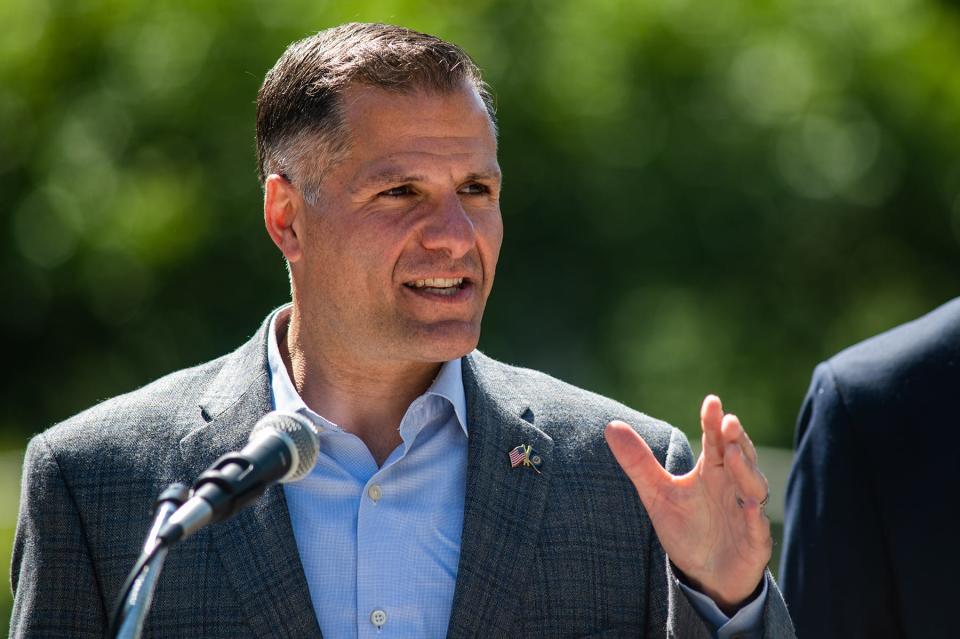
870 549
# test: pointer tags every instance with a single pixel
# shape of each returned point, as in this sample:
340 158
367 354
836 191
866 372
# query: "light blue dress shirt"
380 546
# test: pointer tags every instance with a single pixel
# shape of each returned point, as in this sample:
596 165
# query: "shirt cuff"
746 622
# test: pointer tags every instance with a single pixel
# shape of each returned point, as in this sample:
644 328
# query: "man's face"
399 253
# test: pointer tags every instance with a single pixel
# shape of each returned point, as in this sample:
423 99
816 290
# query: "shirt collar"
448 384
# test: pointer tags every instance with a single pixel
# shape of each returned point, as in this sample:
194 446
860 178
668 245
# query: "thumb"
637 460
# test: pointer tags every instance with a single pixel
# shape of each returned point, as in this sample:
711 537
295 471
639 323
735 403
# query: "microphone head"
299 434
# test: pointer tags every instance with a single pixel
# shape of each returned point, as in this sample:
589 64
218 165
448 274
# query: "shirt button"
378 618
374 493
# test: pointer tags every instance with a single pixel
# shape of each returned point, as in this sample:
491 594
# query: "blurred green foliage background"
700 196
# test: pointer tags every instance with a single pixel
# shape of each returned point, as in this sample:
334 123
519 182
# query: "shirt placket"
380 503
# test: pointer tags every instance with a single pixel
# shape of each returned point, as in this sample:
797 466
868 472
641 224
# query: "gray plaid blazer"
567 553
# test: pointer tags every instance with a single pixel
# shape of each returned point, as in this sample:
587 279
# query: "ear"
282 208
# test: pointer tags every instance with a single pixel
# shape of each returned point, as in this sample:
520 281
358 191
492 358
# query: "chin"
444 343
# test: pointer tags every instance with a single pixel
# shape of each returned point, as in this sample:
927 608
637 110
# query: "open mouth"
438 285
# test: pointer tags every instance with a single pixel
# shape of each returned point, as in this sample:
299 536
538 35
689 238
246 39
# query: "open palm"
710 521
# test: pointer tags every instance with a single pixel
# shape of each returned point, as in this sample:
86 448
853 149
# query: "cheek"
390 238
364 244
374 260
490 233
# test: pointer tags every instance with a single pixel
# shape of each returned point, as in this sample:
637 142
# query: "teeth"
438 282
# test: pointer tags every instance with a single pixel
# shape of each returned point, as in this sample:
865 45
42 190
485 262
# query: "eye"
397 191
475 188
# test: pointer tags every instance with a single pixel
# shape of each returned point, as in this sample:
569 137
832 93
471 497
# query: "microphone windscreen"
301 432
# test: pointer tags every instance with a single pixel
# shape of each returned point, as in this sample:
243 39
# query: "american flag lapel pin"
525 456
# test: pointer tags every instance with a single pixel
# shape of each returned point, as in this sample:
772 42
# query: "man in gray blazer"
377 154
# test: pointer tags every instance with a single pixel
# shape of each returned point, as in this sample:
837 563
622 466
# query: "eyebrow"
392 176
388 176
487 175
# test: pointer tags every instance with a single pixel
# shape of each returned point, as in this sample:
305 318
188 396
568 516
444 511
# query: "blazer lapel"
503 506
257 546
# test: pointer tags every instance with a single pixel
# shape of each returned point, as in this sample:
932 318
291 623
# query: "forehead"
420 127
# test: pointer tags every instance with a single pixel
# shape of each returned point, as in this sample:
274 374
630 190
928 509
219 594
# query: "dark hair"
300 128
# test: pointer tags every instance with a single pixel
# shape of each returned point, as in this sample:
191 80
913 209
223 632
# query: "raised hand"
710 521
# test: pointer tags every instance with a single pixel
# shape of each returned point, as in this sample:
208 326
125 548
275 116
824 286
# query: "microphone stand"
132 611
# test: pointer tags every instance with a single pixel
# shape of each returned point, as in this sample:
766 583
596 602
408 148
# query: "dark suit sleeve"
55 591
835 581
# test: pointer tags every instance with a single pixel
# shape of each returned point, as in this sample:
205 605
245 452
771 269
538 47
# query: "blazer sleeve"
833 578
55 591
683 621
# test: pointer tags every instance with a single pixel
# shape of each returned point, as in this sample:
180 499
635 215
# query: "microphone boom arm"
135 600
228 486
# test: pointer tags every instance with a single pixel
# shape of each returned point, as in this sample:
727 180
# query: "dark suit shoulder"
916 353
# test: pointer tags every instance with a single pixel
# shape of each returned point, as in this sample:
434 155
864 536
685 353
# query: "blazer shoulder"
572 416
160 408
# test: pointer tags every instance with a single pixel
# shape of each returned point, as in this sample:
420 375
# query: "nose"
450 229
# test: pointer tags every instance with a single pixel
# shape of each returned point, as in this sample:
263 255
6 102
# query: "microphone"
283 447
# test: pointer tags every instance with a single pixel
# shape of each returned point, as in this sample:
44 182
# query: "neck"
366 398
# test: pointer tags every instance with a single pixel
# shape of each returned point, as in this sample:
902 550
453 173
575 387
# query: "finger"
637 460
751 485
747 445
732 431
711 416
757 526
